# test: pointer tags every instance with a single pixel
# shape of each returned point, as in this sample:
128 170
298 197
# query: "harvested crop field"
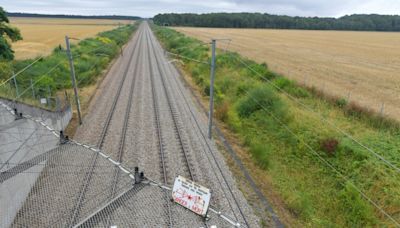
42 35
359 66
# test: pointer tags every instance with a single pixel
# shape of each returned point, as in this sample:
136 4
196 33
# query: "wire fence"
43 181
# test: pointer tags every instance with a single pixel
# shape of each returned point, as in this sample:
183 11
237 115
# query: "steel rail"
173 112
159 135
215 160
124 129
177 126
100 142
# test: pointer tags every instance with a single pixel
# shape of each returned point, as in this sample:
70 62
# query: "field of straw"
42 35
363 67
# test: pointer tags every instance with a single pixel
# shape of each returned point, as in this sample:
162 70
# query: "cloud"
151 7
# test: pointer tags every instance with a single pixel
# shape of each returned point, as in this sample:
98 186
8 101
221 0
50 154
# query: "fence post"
16 85
48 96
33 90
382 108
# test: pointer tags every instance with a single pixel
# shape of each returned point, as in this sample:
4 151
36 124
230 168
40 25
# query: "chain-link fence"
44 182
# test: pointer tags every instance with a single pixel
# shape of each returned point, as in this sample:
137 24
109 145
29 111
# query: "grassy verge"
287 141
51 74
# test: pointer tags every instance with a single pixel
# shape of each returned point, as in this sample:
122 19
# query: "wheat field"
42 35
363 67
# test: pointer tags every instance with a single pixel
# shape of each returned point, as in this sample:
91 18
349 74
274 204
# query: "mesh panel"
53 198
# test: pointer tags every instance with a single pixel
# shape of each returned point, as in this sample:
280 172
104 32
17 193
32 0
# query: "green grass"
91 57
277 132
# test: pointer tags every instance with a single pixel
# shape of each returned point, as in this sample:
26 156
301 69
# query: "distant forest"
357 22
113 17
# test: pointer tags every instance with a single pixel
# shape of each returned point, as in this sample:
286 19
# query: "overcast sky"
148 8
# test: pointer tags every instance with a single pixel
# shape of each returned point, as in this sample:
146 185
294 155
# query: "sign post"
191 195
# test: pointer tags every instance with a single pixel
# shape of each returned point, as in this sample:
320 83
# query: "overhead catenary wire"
365 147
324 161
37 81
188 58
380 157
21 71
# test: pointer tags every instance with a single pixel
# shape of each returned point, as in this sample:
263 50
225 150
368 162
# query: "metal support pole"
16 85
33 90
48 96
71 65
212 75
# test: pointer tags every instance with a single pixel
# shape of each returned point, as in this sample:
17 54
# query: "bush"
358 213
221 111
329 146
5 71
341 102
260 98
300 203
290 87
261 154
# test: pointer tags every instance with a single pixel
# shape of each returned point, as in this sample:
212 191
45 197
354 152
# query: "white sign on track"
191 195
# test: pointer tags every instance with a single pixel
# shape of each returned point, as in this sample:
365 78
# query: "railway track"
121 148
177 127
159 136
183 148
100 142
202 135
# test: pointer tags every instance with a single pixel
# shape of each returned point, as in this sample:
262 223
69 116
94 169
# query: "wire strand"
324 160
380 157
19 72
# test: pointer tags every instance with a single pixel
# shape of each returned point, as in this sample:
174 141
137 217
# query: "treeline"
358 22
113 17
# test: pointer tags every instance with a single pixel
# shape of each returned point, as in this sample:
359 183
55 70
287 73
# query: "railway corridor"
142 115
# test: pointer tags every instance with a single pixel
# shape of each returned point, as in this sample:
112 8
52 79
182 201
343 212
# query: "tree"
7 32
371 22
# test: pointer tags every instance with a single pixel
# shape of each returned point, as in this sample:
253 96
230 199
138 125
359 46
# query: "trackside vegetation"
52 74
292 144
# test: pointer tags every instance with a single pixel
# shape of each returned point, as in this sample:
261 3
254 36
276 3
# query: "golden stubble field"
42 35
362 66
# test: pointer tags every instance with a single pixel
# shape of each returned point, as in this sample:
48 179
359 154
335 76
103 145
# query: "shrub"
341 102
260 98
221 111
5 70
290 87
358 213
283 83
261 153
329 145
300 203
298 92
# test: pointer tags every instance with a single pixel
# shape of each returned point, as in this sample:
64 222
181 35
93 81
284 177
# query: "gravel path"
183 132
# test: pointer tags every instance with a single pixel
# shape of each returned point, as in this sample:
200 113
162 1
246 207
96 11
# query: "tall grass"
261 115
91 56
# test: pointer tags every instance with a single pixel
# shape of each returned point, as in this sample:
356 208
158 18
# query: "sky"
149 8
